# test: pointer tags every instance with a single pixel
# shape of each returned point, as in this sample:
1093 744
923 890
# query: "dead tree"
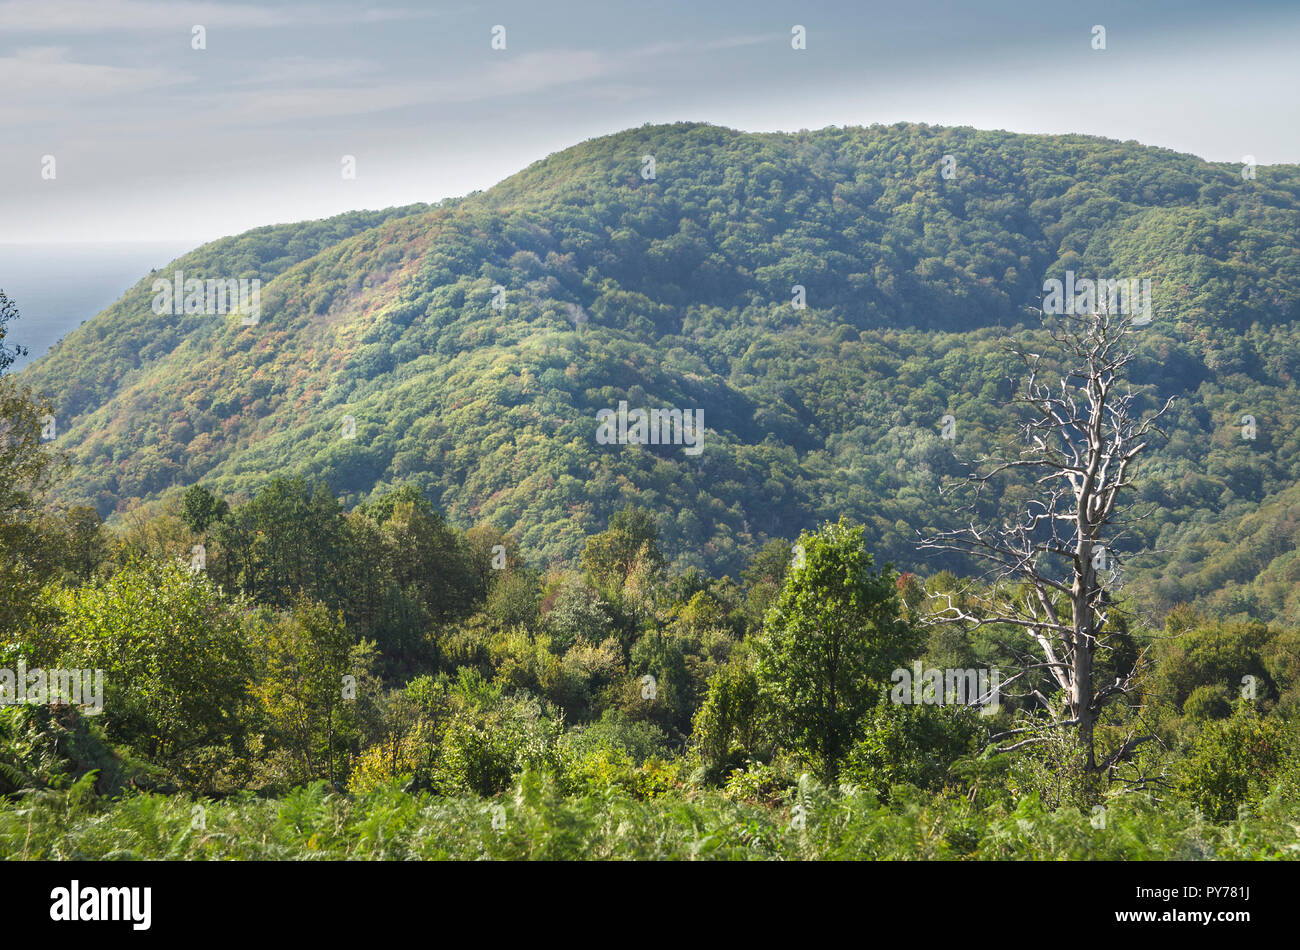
1081 436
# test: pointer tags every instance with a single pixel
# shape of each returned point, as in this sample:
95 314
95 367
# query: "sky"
153 140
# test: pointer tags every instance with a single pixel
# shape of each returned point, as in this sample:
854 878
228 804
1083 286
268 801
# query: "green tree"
727 728
27 468
490 737
8 353
577 613
833 636
428 557
304 688
298 542
201 508
763 578
910 744
612 557
491 553
85 545
513 599
175 661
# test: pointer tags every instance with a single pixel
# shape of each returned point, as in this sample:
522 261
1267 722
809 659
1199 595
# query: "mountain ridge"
685 283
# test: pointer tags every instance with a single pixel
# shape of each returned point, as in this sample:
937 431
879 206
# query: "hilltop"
677 291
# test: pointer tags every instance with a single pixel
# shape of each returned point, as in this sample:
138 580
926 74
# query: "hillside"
676 292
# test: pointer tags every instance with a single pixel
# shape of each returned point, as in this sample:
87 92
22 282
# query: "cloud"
84 16
734 42
704 46
530 74
305 69
41 72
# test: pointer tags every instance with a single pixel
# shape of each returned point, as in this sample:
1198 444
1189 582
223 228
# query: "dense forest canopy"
676 291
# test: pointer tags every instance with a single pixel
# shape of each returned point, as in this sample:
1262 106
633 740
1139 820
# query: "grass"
535 822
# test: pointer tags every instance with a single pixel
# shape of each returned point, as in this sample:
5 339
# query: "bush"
1231 763
1054 773
1211 701
760 783
616 752
727 728
388 761
913 745
175 658
640 740
490 739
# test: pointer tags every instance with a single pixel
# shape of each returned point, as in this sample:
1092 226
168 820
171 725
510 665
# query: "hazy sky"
156 141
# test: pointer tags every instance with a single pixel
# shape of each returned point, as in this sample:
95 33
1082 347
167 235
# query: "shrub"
489 741
1231 762
915 745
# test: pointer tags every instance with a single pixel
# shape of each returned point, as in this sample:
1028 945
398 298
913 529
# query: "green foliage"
214 693
729 727
602 769
513 601
764 578
624 563
759 782
834 634
8 313
611 556
286 542
333 558
637 739
536 820
306 658
44 747
201 508
26 469
1203 669
576 613
176 665
1231 763
393 567
663 657
492 738
1054 773
685 282
913 745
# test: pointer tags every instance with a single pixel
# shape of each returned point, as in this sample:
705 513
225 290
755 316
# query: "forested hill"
669 284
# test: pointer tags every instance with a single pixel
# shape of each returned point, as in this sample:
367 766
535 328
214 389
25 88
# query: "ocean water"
57 287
